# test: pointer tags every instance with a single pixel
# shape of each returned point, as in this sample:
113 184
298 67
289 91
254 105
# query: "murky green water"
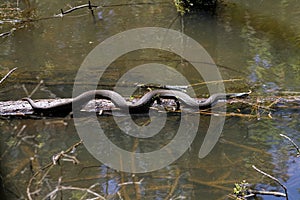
255 41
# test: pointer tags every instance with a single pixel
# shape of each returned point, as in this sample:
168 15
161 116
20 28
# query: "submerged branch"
48 167
294 144
174 186
274 179
59 187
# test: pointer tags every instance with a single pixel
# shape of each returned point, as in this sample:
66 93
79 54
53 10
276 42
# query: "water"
255 41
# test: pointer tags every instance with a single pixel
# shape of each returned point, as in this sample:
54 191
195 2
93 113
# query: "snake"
141 106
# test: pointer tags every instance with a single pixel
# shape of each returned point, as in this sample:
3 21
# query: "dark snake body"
141 106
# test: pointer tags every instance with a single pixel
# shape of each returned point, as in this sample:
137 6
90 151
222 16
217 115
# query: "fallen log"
22 108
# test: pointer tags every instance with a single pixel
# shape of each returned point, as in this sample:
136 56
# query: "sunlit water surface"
255 41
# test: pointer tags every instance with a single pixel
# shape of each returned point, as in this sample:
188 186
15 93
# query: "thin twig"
36 88
21 131
274 179
56 158
294 144
9 73
8 33
131 183
119 195
76 8
49 167
59 187
277 194
213 82
133 4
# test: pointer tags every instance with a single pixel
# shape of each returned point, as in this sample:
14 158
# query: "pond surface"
253 42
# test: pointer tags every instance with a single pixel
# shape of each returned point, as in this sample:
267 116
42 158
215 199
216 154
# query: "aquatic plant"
184 6
240 189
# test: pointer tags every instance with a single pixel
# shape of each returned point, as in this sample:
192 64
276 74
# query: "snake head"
30 101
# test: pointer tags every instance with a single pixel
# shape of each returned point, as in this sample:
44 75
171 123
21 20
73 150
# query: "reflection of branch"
60 188
17 142
171 192
294 144
274 179
34 90
9 73
49 167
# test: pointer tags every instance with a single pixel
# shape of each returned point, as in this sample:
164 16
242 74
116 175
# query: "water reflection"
246 38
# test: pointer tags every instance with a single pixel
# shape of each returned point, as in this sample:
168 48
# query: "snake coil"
141 106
